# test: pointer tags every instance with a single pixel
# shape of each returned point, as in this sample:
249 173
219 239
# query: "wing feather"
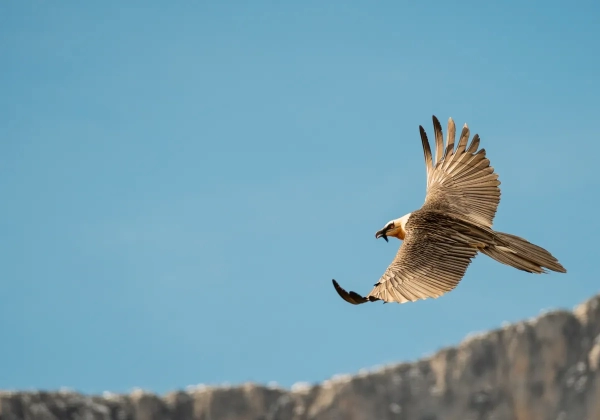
474 144
439 140
451 137
462 182
431 261
426 151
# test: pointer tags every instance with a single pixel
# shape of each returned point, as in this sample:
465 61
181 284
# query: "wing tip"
350 297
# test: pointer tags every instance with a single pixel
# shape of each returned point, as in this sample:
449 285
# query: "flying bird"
455 223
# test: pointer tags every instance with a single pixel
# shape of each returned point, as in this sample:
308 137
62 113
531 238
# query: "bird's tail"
521 254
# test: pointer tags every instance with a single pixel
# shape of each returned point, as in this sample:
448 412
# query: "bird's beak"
381 234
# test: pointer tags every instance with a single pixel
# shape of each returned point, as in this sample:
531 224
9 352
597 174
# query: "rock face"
547 368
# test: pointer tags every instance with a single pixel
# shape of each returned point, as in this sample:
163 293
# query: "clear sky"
181 182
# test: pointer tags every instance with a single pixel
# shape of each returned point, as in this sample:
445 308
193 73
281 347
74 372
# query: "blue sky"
180 184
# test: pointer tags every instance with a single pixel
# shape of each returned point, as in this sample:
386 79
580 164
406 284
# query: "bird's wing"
460 180
430 262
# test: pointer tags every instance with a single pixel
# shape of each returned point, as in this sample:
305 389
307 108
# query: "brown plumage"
455 222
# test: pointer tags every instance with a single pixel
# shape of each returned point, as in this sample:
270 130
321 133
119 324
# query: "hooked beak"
381 234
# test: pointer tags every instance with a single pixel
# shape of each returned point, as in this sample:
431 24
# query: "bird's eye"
390 225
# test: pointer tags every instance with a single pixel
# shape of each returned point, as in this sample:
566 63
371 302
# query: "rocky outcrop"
547 368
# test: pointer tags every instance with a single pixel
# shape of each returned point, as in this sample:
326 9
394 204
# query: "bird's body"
453 225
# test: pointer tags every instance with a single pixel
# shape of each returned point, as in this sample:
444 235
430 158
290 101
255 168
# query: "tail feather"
521 254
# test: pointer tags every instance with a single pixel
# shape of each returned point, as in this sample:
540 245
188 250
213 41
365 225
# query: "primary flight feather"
453 225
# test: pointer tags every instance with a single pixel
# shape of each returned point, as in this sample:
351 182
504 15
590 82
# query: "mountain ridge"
545 367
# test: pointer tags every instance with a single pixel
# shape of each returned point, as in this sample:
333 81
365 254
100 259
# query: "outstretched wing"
460 180
430 262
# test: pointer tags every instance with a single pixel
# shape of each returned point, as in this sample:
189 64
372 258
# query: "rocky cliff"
547 368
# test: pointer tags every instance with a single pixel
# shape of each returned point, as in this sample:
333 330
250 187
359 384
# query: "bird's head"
394 228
